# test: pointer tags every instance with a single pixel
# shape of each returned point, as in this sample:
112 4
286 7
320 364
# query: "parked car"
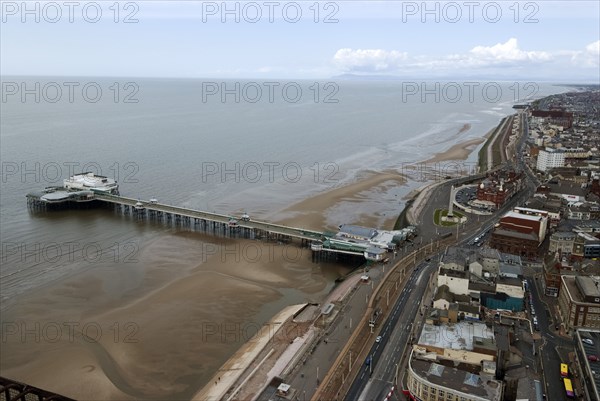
587 341
592 358
378 339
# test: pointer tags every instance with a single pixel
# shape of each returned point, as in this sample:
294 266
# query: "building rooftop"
457 377
454 273
575 291
507 269
587 286
587 225
523 216
482 287
458 336
443 292
456 255
529 210
563 235
588 237
510 259
489 253
357 231
515 282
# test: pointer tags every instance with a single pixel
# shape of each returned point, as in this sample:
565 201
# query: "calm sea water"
213 154
218 155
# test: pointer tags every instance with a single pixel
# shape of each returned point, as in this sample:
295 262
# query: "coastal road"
377 378
554 348
307 377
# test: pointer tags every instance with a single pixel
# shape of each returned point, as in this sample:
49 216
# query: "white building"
550 158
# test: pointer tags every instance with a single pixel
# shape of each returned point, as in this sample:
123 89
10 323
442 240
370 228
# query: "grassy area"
439 213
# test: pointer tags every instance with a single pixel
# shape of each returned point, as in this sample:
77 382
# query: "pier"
215 223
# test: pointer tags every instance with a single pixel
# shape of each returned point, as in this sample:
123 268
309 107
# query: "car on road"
378 339
587 341
592 358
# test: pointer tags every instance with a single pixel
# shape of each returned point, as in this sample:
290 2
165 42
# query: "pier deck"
213 217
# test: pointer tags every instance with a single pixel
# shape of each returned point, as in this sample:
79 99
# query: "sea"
216 145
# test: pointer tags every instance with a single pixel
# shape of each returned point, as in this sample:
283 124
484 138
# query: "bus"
564 370
568 388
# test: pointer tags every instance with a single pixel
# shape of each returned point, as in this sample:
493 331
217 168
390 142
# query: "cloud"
507 52
504 58
590 57
369 60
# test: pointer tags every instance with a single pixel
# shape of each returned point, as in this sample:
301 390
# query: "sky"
557 41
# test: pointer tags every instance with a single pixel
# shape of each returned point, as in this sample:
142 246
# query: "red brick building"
556 117
520 232
499 187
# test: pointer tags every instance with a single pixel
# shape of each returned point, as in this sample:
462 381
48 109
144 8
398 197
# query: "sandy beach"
313 212
460 151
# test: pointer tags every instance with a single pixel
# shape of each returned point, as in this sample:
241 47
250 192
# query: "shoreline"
415 203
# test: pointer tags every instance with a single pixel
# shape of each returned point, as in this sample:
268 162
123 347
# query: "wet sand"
313 212
194 307
460 151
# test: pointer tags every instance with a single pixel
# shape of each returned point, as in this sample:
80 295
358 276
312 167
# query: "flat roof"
507 268
574 290
527 209
523 216
563 234
587 286
458 336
